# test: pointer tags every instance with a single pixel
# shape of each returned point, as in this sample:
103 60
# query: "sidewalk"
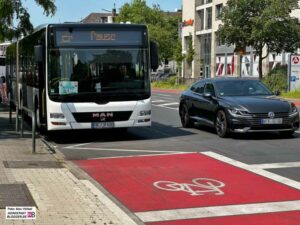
39 180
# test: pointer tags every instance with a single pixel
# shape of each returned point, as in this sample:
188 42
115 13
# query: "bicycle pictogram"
199 186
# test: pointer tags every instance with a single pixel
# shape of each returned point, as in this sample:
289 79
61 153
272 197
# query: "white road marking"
276 165
297 132
166 107
169 96
135 156
198 186
118 212
157 101
167 104
255 170
123 150
216 211
78 145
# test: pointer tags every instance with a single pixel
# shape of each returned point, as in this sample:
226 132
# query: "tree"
262 24
13 12
178 57
163 29
190 51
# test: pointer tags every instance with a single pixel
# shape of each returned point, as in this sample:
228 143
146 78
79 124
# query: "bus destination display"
96 37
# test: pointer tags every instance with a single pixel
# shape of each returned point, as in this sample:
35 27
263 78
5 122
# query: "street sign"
294 72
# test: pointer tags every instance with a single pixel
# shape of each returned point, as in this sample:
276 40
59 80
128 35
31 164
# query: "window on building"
219 9
202 2
209 18
103 20
201 16
186 43
205 41
219 42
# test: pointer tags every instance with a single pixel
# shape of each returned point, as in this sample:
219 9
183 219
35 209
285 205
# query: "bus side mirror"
38 53
153 55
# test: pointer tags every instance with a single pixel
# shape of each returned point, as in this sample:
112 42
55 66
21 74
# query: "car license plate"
271 121
103 125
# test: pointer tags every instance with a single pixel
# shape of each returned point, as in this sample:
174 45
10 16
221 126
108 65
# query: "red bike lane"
191 181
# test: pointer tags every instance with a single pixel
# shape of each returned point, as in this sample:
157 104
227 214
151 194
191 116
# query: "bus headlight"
57 116
145 112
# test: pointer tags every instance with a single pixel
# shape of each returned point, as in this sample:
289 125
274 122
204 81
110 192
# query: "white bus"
84 76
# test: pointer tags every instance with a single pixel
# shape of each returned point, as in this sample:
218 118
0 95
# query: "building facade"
201 20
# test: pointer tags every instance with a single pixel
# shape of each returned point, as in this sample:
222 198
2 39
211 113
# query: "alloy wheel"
185 117
221 124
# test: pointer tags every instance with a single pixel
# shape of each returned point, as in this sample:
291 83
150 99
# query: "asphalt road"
162 151
167 135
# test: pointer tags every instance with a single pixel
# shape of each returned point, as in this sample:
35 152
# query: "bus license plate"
103 125
271 121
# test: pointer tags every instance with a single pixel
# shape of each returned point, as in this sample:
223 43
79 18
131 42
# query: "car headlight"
294 109
238 112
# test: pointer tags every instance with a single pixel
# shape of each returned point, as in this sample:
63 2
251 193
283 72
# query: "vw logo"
271 114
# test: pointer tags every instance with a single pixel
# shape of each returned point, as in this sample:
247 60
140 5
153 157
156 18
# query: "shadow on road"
156 131
250 136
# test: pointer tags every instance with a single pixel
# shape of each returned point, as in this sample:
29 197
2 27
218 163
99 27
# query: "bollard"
22 123
17 119
10 112
33 131
10 108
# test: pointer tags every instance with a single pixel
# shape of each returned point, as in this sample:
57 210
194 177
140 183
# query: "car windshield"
241 88
97 71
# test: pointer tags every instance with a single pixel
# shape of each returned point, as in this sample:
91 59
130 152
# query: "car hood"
258 104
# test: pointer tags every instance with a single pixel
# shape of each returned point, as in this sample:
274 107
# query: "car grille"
255 120
102 116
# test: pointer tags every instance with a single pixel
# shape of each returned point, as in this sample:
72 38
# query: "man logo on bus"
103 116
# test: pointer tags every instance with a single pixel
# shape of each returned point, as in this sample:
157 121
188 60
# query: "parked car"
238 105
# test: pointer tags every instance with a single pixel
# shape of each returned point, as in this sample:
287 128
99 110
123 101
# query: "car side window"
209 88
198 88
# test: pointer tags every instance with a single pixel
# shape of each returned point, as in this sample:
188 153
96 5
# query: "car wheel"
221 124
185 117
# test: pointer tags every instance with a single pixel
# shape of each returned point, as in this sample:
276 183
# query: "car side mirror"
208 95
277 92
38 53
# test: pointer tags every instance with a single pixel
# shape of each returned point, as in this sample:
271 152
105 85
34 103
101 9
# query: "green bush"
292 94
277 79
170 83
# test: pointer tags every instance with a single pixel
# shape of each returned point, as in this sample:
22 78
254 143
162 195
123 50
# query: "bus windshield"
97 72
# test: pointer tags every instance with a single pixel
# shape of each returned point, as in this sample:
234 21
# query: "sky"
76 10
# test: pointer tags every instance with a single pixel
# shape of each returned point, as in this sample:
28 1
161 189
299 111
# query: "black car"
237 105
